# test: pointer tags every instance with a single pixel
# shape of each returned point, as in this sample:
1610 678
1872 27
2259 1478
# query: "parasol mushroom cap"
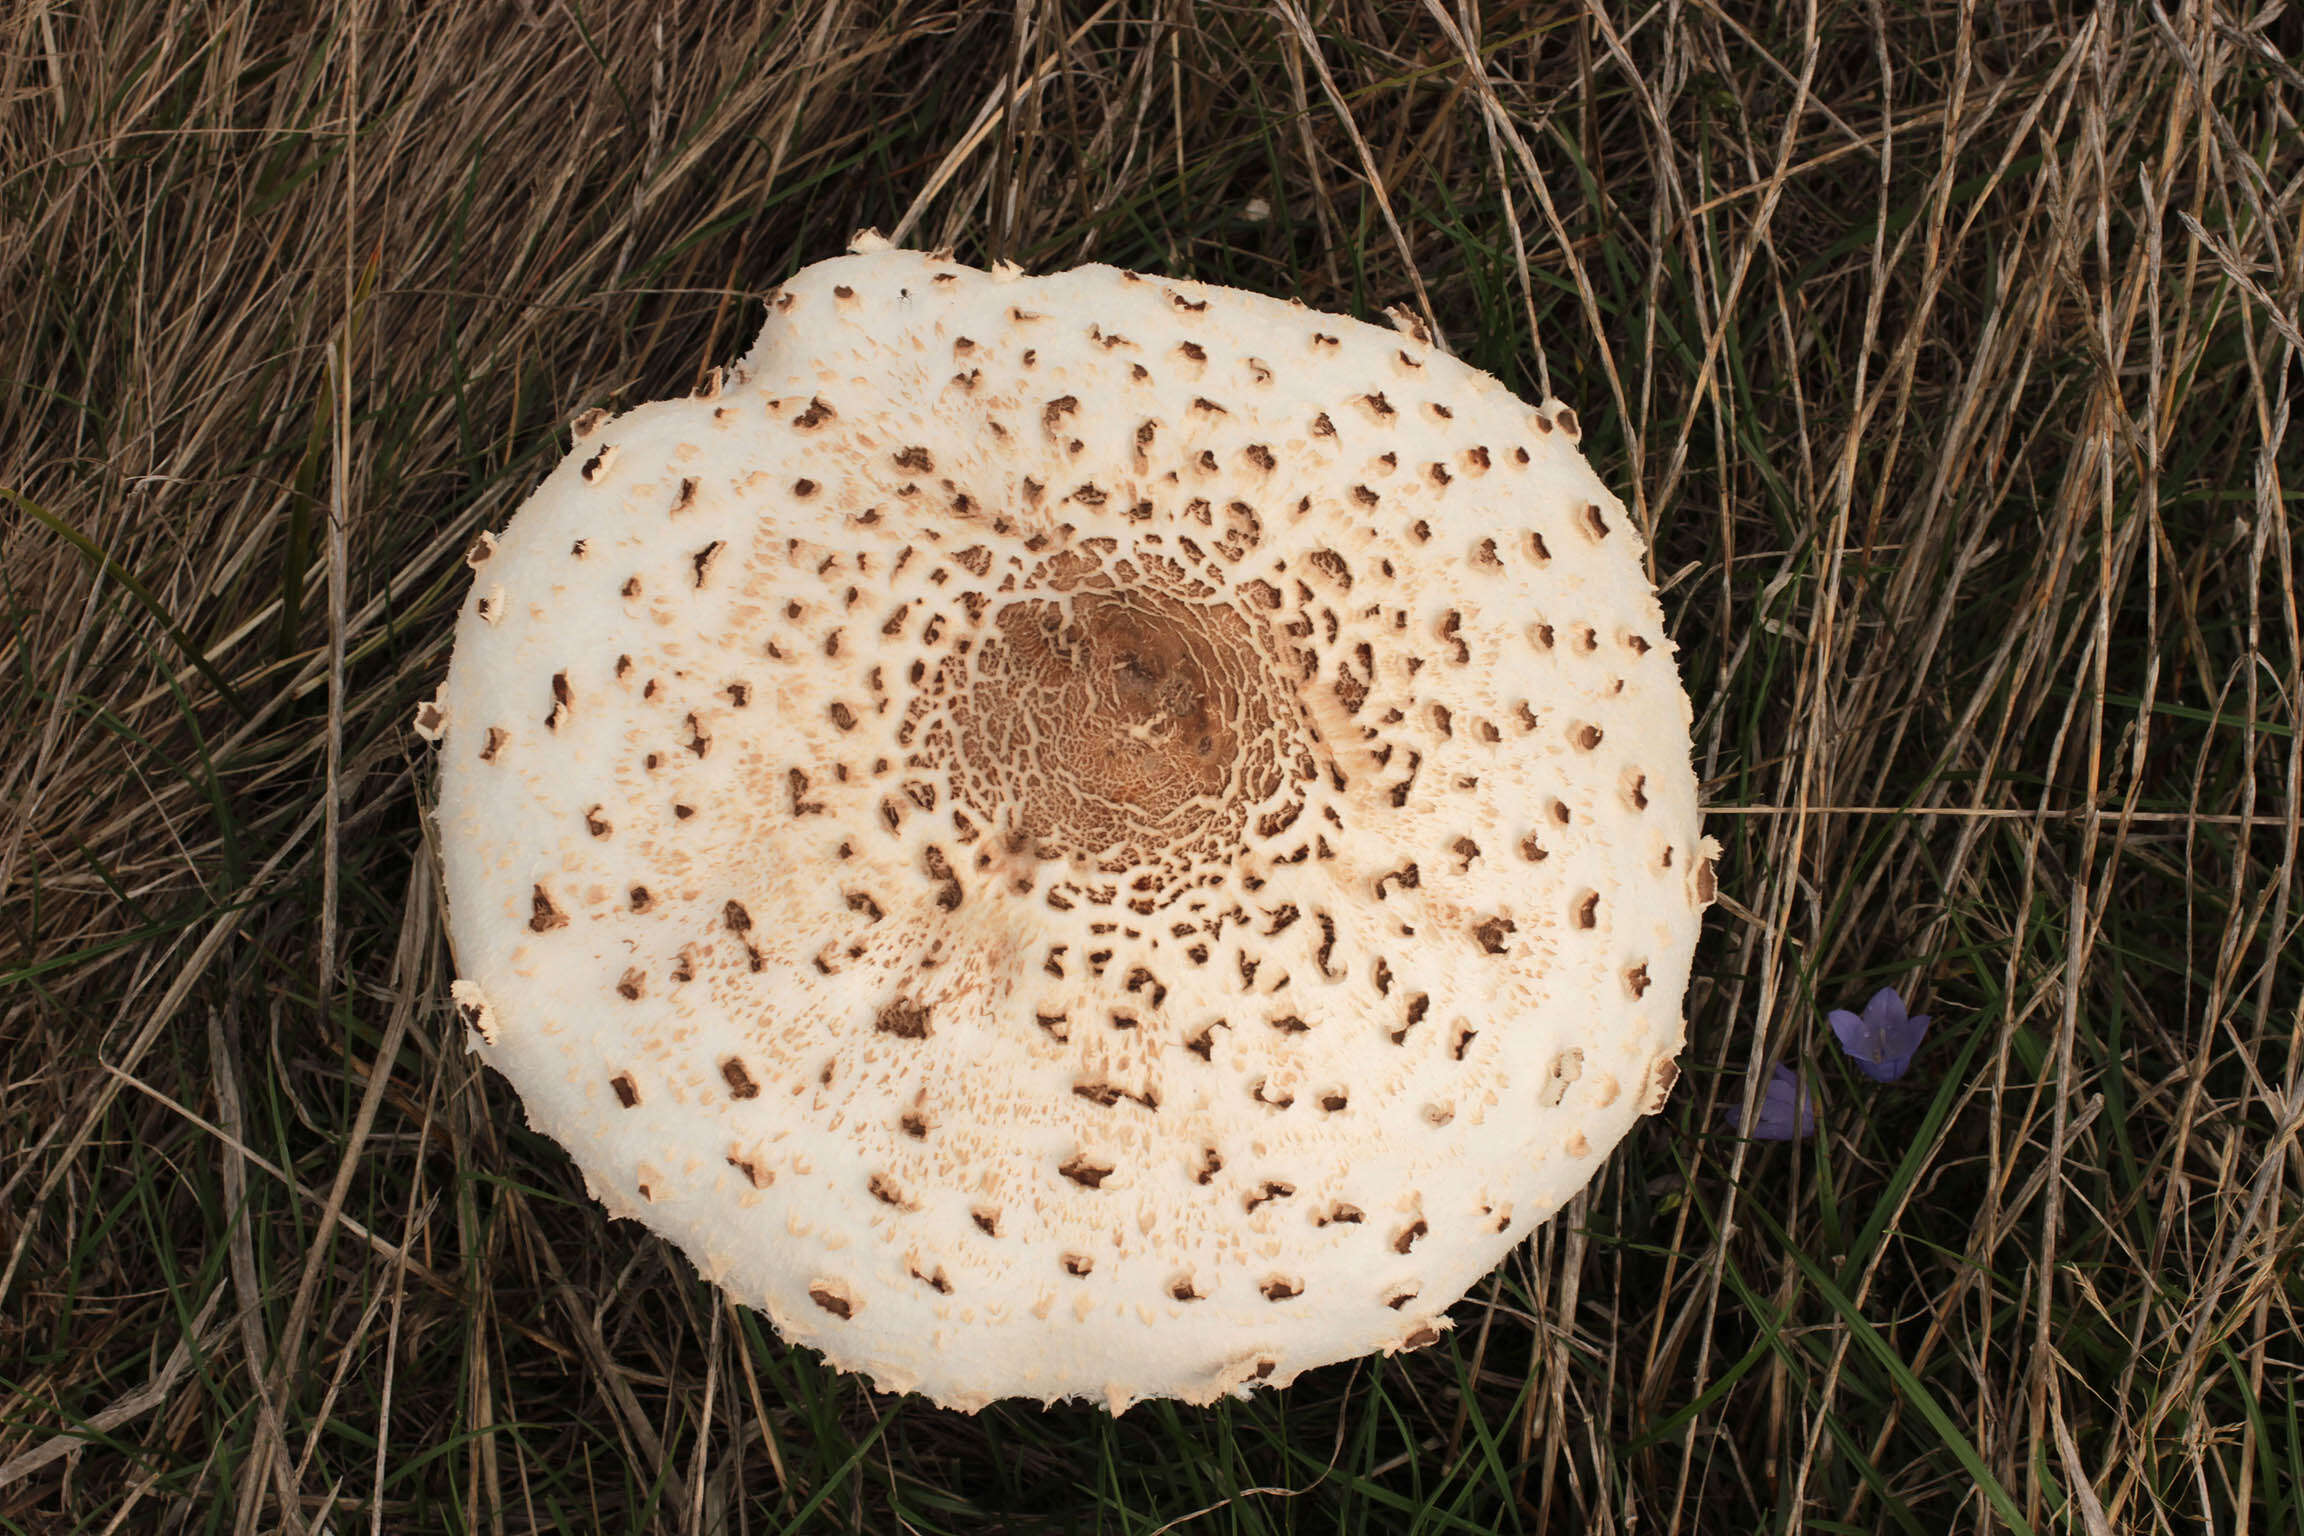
1079 836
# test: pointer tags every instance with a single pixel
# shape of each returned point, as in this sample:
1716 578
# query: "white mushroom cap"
1075 836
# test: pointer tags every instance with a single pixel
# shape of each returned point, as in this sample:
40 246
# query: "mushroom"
1089 835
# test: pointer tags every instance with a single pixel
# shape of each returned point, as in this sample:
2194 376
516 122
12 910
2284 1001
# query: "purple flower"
1786 1109
1880 1040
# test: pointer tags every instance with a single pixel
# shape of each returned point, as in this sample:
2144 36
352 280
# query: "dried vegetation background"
1947 352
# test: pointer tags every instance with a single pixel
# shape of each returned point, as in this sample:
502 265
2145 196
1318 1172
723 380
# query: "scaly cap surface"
1084 835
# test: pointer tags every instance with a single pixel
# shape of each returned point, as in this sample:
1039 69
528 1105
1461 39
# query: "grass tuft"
1947 356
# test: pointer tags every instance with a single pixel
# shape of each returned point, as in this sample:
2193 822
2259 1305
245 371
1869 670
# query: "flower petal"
1785 1111
1882 1040
1886 1007
1854 1032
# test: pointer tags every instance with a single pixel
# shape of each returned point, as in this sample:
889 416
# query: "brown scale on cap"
1105 792
544 914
